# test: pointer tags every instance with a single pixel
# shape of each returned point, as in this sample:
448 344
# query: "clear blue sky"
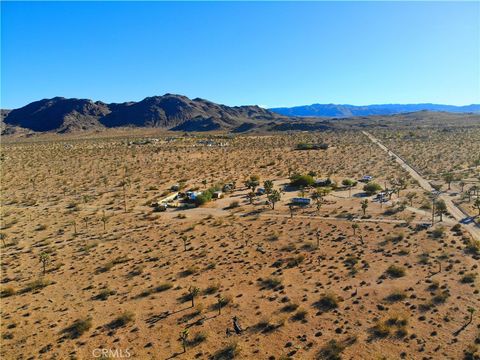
265 53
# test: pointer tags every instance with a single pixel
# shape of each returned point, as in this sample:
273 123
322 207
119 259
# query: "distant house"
192 195
366 178
323 182
228 187
301 201
260 191
217 195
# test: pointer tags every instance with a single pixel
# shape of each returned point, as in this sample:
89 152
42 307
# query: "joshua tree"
104 219
44 259
85 219
193 292
354 228
183 339
302 191
318 239
462 185
273 198
204 182
251 196
476 203
124 186
3 237
292 209
471 310
349 183
411 196
364 205
220 302
440 208
74 223
448 177
268 185
252 182
317 196
185 242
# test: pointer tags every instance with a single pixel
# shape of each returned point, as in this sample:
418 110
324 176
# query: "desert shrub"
7 291
37 285
396 295
189 271
328 301
78 328
394 325
468 278
104 294
163 287
297 260
121 320
440 297
271 282
438 232
273 237
289 307
300 315
234 204
197 339
231 351
473 247
211 289
395 271
333 349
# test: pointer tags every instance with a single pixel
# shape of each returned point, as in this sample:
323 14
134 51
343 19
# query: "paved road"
457 214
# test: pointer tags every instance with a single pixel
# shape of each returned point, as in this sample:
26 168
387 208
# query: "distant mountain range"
341 111
173 112
179 113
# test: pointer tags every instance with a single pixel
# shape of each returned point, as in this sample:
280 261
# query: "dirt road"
454 211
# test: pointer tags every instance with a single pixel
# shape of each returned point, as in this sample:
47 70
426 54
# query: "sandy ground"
303 286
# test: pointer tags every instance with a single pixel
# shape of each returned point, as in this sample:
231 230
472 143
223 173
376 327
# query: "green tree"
268 185
448 178
252 182
301 180
372 188
440 208
349 184
355 227
273 198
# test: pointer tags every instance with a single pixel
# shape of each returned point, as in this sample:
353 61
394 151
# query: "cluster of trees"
309 146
